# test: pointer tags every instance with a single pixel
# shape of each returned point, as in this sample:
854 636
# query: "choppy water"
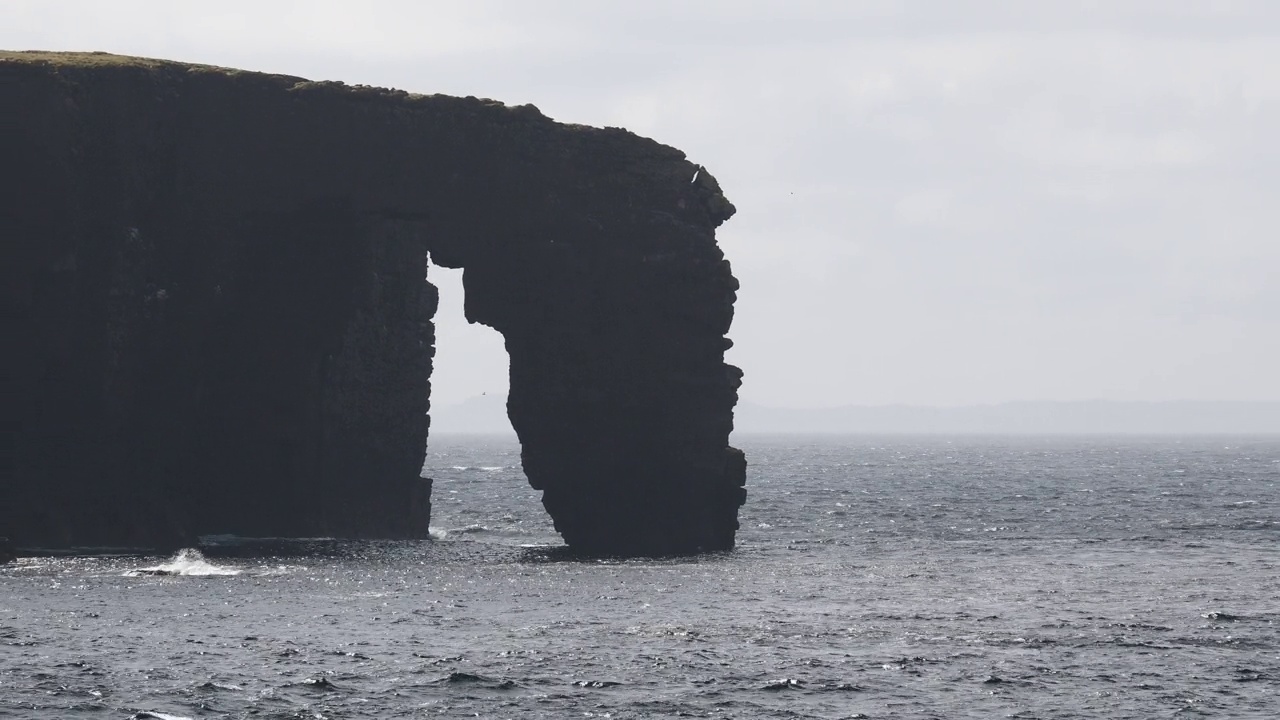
876 577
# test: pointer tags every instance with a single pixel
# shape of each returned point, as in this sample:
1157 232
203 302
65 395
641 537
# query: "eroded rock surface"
215 285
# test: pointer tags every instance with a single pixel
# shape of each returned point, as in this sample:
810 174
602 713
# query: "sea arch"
218 279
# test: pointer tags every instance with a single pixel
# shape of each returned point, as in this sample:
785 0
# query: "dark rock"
214 282
319 682
7 552
465 677
1220 616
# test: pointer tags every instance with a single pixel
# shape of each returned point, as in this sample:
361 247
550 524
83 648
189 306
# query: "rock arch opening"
470 368
479 488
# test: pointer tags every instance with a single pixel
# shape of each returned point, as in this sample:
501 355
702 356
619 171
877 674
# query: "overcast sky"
938 202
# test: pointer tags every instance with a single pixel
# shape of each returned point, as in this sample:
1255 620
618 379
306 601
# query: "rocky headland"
220 321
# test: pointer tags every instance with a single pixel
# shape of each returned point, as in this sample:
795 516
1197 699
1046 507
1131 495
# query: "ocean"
875 577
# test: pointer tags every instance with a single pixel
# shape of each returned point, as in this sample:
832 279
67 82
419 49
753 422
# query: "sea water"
890 577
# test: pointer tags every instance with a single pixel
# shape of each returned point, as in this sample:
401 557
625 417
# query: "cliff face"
217 285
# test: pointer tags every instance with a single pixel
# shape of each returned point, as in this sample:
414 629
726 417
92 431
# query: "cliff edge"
215 283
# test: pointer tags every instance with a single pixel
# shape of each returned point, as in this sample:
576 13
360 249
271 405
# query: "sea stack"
216 293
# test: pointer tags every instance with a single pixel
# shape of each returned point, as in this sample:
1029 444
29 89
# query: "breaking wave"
187 562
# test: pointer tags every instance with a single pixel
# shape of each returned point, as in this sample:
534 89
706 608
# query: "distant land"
1048 418
482 414
487 414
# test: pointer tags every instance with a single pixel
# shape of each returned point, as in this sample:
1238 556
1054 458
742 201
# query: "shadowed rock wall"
216 282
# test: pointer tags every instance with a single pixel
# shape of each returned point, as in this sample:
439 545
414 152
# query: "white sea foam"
442 533
187 562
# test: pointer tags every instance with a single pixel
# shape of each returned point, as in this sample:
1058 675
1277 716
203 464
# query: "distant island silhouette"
487 415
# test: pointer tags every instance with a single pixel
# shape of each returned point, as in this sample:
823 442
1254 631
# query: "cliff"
215 286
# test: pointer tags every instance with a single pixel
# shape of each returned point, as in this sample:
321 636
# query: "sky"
939 202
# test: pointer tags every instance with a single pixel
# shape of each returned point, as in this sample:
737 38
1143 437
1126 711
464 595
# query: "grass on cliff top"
81 59
75 60
98 59
94 60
